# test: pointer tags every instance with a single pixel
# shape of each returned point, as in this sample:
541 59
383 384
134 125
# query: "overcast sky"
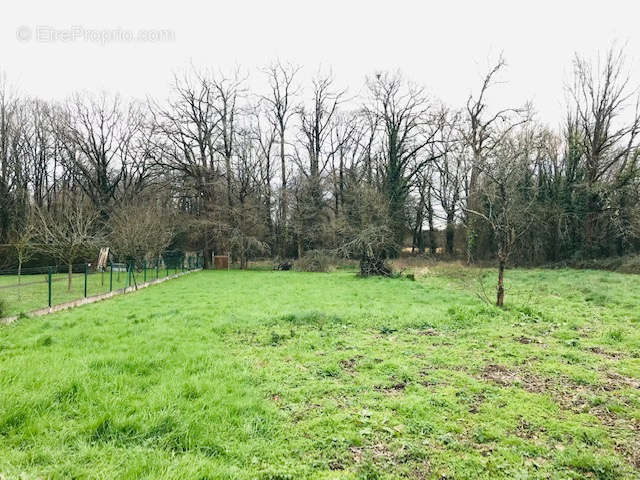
442 45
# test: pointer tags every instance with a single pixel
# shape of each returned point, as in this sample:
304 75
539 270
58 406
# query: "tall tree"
314 137
608 135
281 106
99 134
409 123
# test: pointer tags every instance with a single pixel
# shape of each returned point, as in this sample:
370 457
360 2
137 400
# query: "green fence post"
144 269
129 276
86 275
111 277
157 267
49 282
166 266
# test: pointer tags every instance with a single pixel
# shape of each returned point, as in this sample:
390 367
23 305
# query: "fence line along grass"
275 375
33 291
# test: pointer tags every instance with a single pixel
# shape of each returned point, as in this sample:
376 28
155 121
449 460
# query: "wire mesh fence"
35 288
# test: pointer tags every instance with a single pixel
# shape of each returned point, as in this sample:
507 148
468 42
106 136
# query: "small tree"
22 242
141 231
507 195
69 231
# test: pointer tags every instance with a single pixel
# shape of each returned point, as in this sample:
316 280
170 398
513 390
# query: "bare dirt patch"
526 340
570 395
500 375
430 332
604 353
349 365
615 381
394 389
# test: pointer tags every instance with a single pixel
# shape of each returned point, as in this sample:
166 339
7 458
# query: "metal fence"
36 288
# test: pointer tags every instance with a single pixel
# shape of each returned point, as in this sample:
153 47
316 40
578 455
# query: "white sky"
444 46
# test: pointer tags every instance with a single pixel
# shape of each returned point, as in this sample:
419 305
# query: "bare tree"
99 134
227 92
247 224
69 232
423 209
265 135
281 107
141 230
452 169
316 121
483 132
184 139
508 194
345 154
600 97
409 123
13 171
22 241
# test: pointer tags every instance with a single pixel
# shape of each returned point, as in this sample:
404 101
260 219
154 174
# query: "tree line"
298 168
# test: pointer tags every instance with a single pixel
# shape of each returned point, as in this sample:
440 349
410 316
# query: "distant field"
286 375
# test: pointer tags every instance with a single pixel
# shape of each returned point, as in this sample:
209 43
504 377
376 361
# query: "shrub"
315 261
372 245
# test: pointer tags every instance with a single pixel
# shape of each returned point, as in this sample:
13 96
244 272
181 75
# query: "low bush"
315 261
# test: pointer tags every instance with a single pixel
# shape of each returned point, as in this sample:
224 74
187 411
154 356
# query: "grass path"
277 375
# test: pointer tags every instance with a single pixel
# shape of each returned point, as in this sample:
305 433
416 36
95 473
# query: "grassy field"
285 375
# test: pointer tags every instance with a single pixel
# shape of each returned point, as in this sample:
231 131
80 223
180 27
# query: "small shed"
221 262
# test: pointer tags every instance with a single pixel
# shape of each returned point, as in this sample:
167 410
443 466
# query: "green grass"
285 375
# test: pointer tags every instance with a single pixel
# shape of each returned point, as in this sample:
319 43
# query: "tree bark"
500 288
432 234
450 234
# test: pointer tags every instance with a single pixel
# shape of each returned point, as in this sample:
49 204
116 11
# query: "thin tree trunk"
19 274
500 289
227 162
206 251
70 275
432 237
450 234
283 196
